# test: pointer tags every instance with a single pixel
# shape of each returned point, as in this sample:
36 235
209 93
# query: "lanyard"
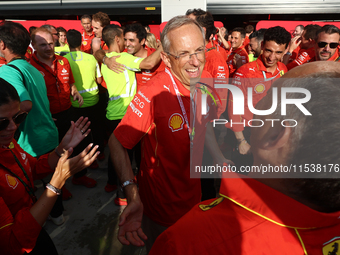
28 187
180 101
269 79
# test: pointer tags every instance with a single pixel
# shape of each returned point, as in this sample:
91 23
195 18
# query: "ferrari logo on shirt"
332 247
212 204
12 181
29 51
84 43
176 122
282 73
61 62
260 88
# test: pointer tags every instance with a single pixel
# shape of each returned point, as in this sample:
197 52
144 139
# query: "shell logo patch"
12 181
260 88
176 122
332 247
61 62
84 43
212 204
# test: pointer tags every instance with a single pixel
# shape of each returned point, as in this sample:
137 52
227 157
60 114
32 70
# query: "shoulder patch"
212 204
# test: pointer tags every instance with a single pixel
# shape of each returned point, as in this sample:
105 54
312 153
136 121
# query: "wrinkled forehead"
185 37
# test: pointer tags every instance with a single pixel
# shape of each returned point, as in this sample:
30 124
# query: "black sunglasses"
19 118
332 45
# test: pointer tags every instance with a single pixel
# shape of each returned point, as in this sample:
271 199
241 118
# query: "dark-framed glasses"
186 56
332 45
19 118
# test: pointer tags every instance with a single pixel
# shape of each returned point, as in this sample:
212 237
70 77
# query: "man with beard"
254 46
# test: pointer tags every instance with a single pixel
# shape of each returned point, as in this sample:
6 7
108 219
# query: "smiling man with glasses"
327 42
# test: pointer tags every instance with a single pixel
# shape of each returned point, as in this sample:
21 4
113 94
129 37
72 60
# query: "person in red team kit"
99 21
259 76
306 42
279 215
327 43
135 36
159 115
238 56
88 34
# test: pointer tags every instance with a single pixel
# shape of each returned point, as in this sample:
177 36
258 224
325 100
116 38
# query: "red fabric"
218 68
15 202
86 42
244 55
2 61
165 186
246 43
219 48
29 53
247 228
57 81
251 75
304 56
103 45
145 75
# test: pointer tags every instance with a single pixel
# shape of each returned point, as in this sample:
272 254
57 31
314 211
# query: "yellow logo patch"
176 122
29 51
61 62
282 73
259 88
84 43
12 182
212 204
332 247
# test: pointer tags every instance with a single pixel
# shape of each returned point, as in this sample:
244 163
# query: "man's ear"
211 37
142 42
277 137
165 58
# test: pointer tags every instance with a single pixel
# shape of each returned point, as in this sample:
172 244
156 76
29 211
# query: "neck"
89 32
142 53
75 49
62 44
114 48
11 56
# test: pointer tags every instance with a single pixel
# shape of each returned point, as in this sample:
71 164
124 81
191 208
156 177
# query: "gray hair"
174 23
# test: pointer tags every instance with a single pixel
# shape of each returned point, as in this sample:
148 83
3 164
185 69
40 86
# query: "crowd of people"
71 91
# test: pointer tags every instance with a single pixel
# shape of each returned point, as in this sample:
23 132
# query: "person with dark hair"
88 34
249 29
121 88
193 13
147 29
135 38
306 43
259 76
22 215
99 21
287 213
326 44
255 42
238 56
62 47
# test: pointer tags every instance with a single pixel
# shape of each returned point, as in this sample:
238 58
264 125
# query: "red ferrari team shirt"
57 81
165 186
145 75
252 75
244 55
304 56
29 53
220 48
18 229
2 61
251 218
86 42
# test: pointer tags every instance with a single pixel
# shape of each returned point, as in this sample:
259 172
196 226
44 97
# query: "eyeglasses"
332 45
186 56
19 118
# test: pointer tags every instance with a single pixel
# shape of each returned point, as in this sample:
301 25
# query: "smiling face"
236 40
185 39
326 52
132 43
9 111
44 45
62 37
272 53
254 47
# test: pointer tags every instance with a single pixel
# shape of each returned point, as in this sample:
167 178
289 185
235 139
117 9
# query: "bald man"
290 213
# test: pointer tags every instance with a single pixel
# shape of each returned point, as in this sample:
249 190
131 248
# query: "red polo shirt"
252 75
251 218
165 186
304 56
145 75
86 42
240 51
57 81
2 61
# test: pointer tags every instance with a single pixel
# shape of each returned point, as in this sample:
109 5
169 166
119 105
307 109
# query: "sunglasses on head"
19 118
332 45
